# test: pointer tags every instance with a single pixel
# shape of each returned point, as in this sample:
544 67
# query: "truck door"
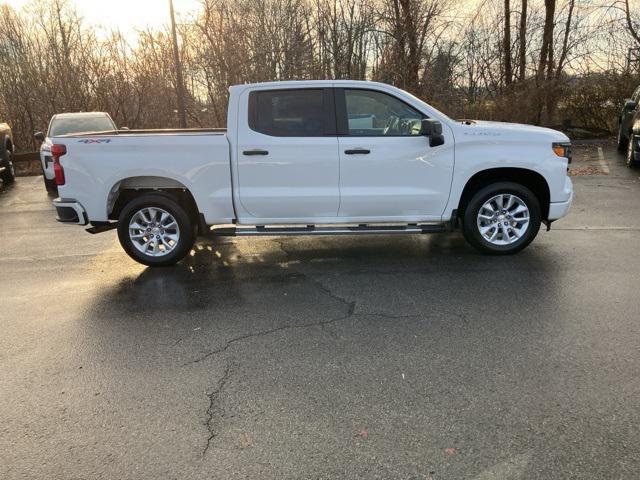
288 160
387 168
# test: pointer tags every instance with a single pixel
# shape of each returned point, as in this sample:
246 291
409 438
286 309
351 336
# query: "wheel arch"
531 179
126 189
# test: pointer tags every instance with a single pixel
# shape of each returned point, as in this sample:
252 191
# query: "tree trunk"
522 68
546 56
413 55
508 71
634 33
547 38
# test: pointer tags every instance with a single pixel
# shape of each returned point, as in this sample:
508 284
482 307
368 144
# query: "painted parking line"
602 162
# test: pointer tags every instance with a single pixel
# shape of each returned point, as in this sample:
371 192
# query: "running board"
326 230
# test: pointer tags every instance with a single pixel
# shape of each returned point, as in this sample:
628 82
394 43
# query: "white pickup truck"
313 158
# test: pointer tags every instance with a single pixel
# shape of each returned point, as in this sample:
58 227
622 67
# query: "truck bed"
152 131
98 165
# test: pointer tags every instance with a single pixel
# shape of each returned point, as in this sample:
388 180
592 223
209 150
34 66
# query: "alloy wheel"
503 219
154 231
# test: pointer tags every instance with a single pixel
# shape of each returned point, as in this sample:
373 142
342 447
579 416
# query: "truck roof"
311 83
80 114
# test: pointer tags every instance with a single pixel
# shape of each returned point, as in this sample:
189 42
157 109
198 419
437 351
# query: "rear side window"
290 113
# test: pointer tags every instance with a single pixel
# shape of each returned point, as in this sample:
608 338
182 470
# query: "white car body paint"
308 180
45 148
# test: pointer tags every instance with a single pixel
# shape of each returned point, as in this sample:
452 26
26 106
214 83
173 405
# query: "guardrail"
27 163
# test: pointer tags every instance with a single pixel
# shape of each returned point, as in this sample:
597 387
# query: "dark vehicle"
629 129
7 172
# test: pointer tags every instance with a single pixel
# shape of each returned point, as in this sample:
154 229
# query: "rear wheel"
502 218
155 230
8 175
50 185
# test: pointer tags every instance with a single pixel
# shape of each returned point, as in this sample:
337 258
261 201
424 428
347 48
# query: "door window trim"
328 108
342 118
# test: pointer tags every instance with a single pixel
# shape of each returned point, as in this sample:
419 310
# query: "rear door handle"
358 151
255 151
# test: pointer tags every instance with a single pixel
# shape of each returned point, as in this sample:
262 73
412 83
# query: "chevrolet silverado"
315 158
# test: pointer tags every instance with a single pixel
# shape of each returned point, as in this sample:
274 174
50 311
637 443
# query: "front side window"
288 113
372 113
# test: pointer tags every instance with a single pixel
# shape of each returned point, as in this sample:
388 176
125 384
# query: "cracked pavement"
377 357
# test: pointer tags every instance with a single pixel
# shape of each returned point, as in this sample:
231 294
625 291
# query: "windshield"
80 124
429 107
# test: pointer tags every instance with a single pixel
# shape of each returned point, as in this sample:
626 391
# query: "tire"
631 155
512 238
9 173
622 141
148 211
50 185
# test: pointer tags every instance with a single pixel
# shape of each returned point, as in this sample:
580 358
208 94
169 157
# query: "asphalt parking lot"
380 357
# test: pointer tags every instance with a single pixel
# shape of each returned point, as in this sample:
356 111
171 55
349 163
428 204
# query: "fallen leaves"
450 451
588 170
246 440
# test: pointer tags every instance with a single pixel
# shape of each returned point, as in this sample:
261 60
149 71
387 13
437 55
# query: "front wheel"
155 230
502 218
631 153
622 140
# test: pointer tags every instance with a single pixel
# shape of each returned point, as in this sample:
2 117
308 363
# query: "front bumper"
70 211
560 209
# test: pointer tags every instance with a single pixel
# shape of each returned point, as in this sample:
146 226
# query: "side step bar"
327 230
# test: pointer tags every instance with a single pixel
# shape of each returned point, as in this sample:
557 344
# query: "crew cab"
314 158
64 124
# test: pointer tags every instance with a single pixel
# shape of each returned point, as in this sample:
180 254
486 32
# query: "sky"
128 15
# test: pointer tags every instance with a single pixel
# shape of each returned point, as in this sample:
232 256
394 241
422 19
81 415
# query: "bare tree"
508 71
522 42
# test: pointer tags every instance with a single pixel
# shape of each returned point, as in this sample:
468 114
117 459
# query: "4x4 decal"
94 140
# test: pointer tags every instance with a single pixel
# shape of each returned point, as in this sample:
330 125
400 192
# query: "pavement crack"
263 333
350 307
280 243
214 408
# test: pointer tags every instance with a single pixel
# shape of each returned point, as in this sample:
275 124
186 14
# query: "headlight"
562 149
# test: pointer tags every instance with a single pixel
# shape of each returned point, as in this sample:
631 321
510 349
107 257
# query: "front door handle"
358 151
255 151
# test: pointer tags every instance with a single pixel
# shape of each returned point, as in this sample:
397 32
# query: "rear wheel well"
182 196
528 178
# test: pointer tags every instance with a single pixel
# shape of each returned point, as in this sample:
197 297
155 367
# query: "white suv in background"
64 124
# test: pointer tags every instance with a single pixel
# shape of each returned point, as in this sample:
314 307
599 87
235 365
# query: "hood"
510 131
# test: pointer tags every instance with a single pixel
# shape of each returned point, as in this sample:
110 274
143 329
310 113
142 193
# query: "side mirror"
433 129
124 128
39 136
630 105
